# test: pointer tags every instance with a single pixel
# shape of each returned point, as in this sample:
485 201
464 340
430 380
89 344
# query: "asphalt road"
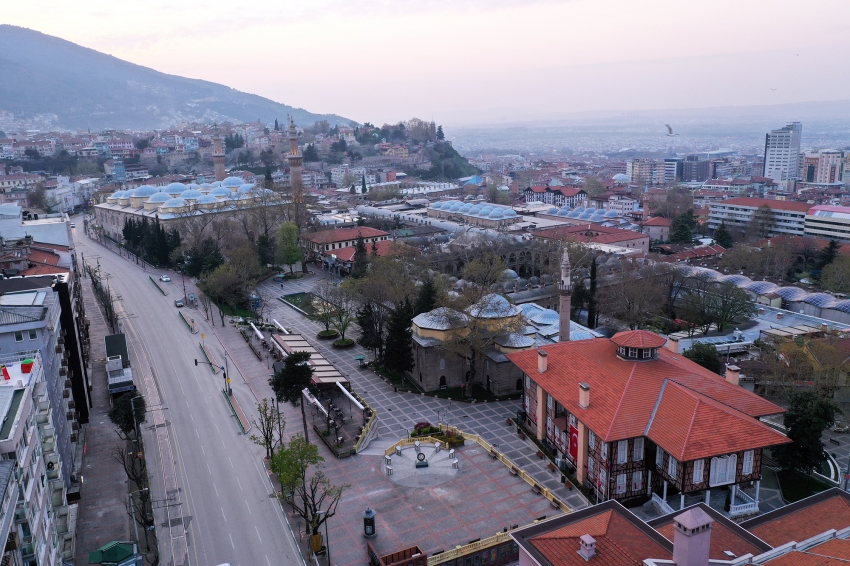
222 494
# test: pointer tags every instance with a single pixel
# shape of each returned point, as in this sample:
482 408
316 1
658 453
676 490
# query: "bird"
670 130
773 90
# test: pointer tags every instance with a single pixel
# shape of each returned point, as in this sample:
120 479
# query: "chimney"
587 550
733 374
542 361
583 395
824 327
692 538
673 345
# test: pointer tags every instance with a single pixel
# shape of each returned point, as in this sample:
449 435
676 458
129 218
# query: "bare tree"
270 426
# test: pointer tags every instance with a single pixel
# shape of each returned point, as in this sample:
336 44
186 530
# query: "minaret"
218 158
295 159
565 289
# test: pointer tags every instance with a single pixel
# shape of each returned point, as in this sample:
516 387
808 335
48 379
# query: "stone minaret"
565 289
295 159
218 159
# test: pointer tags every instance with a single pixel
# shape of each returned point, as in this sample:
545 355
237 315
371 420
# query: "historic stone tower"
218 159
295 159
565 289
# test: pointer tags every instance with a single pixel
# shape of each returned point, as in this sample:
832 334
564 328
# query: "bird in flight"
670 130
773 90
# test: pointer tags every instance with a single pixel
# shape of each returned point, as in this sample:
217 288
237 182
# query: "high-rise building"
782 154
640 171
829 166
672 169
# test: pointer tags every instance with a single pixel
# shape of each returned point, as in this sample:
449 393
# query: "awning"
313 401
259 334
350 396
279 325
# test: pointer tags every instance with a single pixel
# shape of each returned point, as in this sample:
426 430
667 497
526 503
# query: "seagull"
773 90
670 130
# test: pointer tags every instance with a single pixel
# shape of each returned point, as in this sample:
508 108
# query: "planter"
551 467
522 436
508 422
342 344
327 334
540 454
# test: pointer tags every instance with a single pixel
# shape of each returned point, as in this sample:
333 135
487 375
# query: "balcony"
57 493
21 513
48 440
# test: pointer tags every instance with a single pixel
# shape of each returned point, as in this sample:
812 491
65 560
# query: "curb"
230 402
210 359
188 324
285 302
161 290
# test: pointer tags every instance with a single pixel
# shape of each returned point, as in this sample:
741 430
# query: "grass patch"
237 311
303 301
796 486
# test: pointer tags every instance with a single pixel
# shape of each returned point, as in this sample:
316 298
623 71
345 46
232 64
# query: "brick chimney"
733 374
673 345
587 548
692 538
542 361
583 395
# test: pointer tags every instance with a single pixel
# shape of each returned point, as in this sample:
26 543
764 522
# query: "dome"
566 208
585 216
437 205
638 339
534 281
510 213
621 178
579 209
546 317
573 214
843 306
514 341
206 187
509 285
597 217
206 199
440 319
464 208
233 182
215 184
546 279
633 227
475 209
552 210
246 188
144 191
159 197
455 207
119 194
175 188
739 280
496 214
611 214
174 203
792 293
522 284
194 186
509 274
220 192
191 194
485 211
493 306
590 210
822 300
566 213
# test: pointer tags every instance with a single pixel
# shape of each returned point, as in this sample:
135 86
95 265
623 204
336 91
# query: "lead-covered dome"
144 191
159 197
175 188
233 182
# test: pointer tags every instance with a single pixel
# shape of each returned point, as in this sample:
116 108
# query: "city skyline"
465 65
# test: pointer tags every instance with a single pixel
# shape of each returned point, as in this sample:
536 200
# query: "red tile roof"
385 247
42 269
344 234
658 221
774 204
638 339
624 393
618 542
802 520
797 558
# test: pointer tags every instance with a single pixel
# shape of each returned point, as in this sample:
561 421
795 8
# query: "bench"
536 489
555 503
389 470
493 453
514 471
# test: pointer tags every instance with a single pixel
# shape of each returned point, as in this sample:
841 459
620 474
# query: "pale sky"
473 61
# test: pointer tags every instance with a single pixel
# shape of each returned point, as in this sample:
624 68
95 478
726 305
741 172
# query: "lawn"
796 486
303 301
238 311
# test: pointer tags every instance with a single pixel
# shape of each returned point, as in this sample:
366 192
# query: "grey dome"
144 191
206 199
552 210
437 205
191 194
174 203
175 188
119 194
221 192
233 182
246 188
159 197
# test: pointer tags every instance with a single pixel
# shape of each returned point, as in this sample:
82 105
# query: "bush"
328 334
343 343
423 424
426 430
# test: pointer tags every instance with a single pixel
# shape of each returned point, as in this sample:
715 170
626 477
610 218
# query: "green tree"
121 413
344 312
313 497
722 236
440 135
310 153
32 153
828 254
399 354
202 258
705 355
270 426
351 190
276 125
371 336
292 378
835 276
363 185
683 228
361 259
808 416
426 299
761 224
288 251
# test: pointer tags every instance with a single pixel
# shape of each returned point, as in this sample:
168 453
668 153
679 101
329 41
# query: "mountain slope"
89 89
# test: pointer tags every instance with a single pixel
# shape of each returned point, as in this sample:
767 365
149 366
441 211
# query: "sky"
464 62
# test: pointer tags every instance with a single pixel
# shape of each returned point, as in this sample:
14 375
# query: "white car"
165 278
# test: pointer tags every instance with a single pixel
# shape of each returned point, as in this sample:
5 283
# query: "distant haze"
476 61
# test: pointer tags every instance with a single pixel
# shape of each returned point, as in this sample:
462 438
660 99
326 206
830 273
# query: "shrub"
423 424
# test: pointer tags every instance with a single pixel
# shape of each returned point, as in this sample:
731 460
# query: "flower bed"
343 343
327 334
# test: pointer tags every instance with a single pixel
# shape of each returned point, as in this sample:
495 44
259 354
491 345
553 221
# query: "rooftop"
344 234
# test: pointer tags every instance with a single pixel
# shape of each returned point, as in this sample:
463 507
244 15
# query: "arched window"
519 384
442 381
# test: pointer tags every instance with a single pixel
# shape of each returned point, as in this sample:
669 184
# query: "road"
205 475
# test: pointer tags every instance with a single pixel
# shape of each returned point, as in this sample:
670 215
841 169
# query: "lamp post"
133 511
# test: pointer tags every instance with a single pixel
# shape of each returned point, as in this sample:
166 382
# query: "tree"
202 258
705 355
323 307
363 189
808 416
270 426
730 304
121 413
361 259
351 190
299 469
722 236
293 377
835 277
683 228
371 335
344 311
276 125
399 354
593 186
310 153
426 300
761 224
32 153
440 135
828 254
592 313
288 250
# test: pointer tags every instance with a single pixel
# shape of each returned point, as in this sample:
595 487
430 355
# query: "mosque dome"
206 200
493 306
246 188
144 191
496 214
233 182
611 214
509 274
159 197
437 205
552 210
175 188
174 203
621 178
221 192
191 194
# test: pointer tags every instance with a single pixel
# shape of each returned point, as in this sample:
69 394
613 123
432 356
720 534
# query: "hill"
43 74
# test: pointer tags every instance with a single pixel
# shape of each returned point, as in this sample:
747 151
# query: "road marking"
249 510
216 424
231 465
202 450
231 541
210 469
196 433
267 561
225 518
237 480
216 489
223 444
191 416
258 533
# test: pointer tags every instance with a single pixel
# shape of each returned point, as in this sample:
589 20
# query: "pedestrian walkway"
102 514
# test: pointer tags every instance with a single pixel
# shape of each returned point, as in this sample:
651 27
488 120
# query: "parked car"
165 278
73 225
178 303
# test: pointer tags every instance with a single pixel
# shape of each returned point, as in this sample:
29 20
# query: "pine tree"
592 315
370 334
351 190
683 227
361 259
426 301
374 249
722 236
827 254
276 125
363 185
399 355
440 135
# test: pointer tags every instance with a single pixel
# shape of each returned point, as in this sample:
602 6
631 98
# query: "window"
604 450
528 382
672 464
621 483
33 334
527 402
659 457
723 470
19 336
646 353
603 480
591 440
638 449
699 466
747 467
637 481
573 420
623 452
590 468
442 363
632 352
549 401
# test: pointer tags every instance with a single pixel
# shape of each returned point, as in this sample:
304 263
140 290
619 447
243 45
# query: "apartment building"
641 171
782 154
830 222
789 217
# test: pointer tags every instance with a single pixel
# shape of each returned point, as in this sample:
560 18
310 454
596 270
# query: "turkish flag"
573 442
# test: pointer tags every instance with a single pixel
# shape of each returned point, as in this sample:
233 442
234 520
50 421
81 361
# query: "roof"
344 234
625 393
835 552
725 534
803 519
658 221
385 247
638 339
790 205
621 538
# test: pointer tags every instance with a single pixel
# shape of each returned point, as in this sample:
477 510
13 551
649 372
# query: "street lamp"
133 511
224 374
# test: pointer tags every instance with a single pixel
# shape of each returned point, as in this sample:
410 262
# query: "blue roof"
475 180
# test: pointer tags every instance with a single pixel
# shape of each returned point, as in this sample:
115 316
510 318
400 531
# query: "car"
165 278
73 225
178 303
